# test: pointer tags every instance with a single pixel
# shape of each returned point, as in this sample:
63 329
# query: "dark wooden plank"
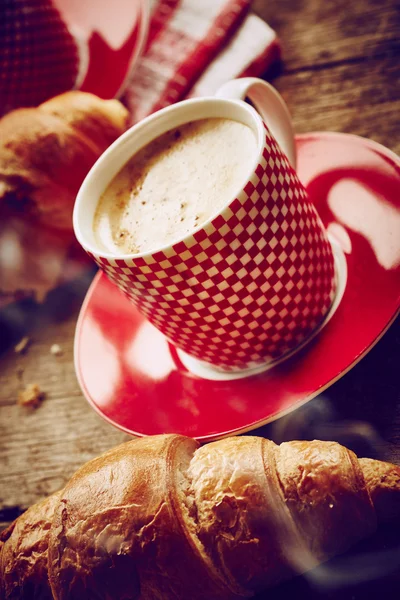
368 571
363 101
317 33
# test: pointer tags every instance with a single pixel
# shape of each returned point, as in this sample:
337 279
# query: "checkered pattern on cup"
250 285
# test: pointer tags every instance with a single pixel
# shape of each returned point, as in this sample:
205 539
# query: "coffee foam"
174 185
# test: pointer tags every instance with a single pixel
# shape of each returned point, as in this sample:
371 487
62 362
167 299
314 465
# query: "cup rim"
108 154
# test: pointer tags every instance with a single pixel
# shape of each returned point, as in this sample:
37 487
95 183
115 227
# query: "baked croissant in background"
45 153
160 518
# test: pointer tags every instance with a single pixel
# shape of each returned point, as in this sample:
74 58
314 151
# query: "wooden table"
341 73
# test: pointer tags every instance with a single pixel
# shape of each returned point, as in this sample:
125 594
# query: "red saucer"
133 378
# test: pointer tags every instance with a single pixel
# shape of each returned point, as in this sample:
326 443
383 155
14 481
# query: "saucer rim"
232 432
339 134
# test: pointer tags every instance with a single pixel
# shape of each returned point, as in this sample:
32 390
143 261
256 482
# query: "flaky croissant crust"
46 152
161 518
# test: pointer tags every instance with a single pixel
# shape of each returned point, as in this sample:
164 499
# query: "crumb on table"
31 396
22 345
56 350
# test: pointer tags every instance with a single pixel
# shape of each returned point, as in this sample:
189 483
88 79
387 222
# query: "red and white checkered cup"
252 284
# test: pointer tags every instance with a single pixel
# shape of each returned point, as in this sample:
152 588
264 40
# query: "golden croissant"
159 518
45 153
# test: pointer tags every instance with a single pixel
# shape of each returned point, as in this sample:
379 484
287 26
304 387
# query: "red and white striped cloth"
194 47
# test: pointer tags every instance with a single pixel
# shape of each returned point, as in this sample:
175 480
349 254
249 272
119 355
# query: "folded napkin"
193 47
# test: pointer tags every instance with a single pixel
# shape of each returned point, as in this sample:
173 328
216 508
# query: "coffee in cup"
174 184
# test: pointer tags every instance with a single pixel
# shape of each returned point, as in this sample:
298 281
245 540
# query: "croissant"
45 153
160 518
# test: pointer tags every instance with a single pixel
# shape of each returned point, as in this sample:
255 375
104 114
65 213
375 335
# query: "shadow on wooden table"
361 410
369 571
26 316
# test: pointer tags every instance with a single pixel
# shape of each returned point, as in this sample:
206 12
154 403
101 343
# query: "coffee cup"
253 282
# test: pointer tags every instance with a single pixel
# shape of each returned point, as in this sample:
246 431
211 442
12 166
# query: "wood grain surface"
340 72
